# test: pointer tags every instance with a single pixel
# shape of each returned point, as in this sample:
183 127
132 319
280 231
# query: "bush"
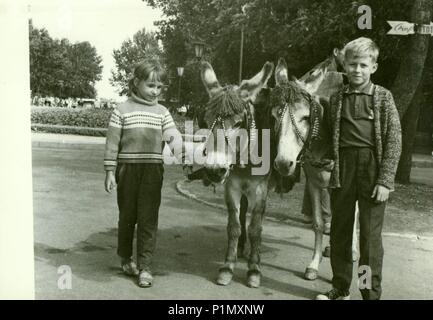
82 131
85 119
93 118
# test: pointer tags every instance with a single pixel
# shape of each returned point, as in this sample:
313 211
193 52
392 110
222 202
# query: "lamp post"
198 49
241 51
180 74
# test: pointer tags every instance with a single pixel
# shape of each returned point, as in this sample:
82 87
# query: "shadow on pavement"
196 250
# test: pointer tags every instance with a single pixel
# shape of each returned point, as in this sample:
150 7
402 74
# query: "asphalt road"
75 226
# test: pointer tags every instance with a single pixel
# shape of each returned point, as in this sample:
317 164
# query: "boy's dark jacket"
387 135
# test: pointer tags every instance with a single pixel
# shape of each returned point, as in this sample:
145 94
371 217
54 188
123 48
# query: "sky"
104 23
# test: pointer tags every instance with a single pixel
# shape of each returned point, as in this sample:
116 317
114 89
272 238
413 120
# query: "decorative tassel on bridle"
225 105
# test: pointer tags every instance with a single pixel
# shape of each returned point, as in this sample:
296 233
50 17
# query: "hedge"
79 121
93 118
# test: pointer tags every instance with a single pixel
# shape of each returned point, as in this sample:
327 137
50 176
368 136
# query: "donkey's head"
295 112
229 116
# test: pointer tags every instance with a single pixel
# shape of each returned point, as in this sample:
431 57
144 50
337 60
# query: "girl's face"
148 89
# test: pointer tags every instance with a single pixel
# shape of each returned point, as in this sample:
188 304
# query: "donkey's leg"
243 221
232 198
355 235
316 195
327 218
258 199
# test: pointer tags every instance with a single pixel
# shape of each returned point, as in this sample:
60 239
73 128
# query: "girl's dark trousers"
358 174
138 198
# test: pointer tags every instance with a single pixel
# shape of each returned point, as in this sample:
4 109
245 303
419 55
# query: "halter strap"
313 132
251 127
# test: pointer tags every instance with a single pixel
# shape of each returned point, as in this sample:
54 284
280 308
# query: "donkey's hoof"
327 252
253 279
311 274
224 277
354 256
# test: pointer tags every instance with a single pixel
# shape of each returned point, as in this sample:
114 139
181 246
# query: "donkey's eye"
305 118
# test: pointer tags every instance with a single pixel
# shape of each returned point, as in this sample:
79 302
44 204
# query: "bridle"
314 127
250 125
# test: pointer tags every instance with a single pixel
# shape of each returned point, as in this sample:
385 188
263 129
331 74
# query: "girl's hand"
110 181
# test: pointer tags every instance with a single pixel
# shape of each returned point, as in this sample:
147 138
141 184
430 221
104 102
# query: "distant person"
133 160
366 145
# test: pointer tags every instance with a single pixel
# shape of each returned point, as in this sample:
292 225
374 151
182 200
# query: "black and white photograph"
211 150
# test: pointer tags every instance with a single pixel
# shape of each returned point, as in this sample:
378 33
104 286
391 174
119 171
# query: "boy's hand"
187 170
110 181
380 193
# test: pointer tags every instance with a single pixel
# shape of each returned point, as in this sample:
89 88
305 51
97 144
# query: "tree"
304 33
407 88
142 45
84 69
61 69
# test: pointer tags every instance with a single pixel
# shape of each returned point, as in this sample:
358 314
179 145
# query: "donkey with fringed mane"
230 114
305 139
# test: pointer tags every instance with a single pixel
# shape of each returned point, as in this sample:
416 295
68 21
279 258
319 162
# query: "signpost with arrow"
404 28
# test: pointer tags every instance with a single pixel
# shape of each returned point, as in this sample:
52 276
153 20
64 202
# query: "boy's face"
359 69
148 89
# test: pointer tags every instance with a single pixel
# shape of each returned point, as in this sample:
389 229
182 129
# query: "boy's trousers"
358 174
138 197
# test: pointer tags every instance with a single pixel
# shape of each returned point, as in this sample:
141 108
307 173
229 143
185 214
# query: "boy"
366 148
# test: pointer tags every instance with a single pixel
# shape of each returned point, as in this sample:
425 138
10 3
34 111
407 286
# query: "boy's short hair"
362 46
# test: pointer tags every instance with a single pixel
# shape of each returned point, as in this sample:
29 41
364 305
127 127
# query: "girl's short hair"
362 46
145 69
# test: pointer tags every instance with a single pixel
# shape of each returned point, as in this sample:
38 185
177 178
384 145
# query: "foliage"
80 118
303 32
62 69
142 45
82 131
94 118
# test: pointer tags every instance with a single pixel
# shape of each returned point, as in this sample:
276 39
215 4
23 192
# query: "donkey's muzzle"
284 168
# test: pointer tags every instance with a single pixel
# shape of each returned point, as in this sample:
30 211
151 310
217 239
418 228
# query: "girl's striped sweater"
137 133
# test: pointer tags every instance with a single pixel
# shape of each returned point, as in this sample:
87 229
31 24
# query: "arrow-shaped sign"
403 28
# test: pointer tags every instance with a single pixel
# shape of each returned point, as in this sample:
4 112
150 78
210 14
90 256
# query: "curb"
181 190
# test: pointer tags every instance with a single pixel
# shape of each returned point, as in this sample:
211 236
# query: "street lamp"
180 74
198 49
241 51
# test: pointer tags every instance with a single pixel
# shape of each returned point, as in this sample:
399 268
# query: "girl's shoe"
129 268
145 279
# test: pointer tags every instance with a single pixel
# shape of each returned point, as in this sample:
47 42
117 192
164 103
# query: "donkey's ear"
250 88
209 79
313 82
281 73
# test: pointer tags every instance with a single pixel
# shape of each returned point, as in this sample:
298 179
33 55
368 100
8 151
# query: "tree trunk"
412 64
406 84
409 127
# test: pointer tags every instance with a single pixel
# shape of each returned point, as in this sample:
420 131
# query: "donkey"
230 110
307 140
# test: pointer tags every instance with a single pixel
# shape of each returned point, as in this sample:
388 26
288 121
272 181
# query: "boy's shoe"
334 294
129 268
145 279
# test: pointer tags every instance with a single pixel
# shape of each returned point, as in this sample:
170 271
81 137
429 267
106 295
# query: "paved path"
75 225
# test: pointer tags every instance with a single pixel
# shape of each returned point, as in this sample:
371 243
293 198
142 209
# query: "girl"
133 160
